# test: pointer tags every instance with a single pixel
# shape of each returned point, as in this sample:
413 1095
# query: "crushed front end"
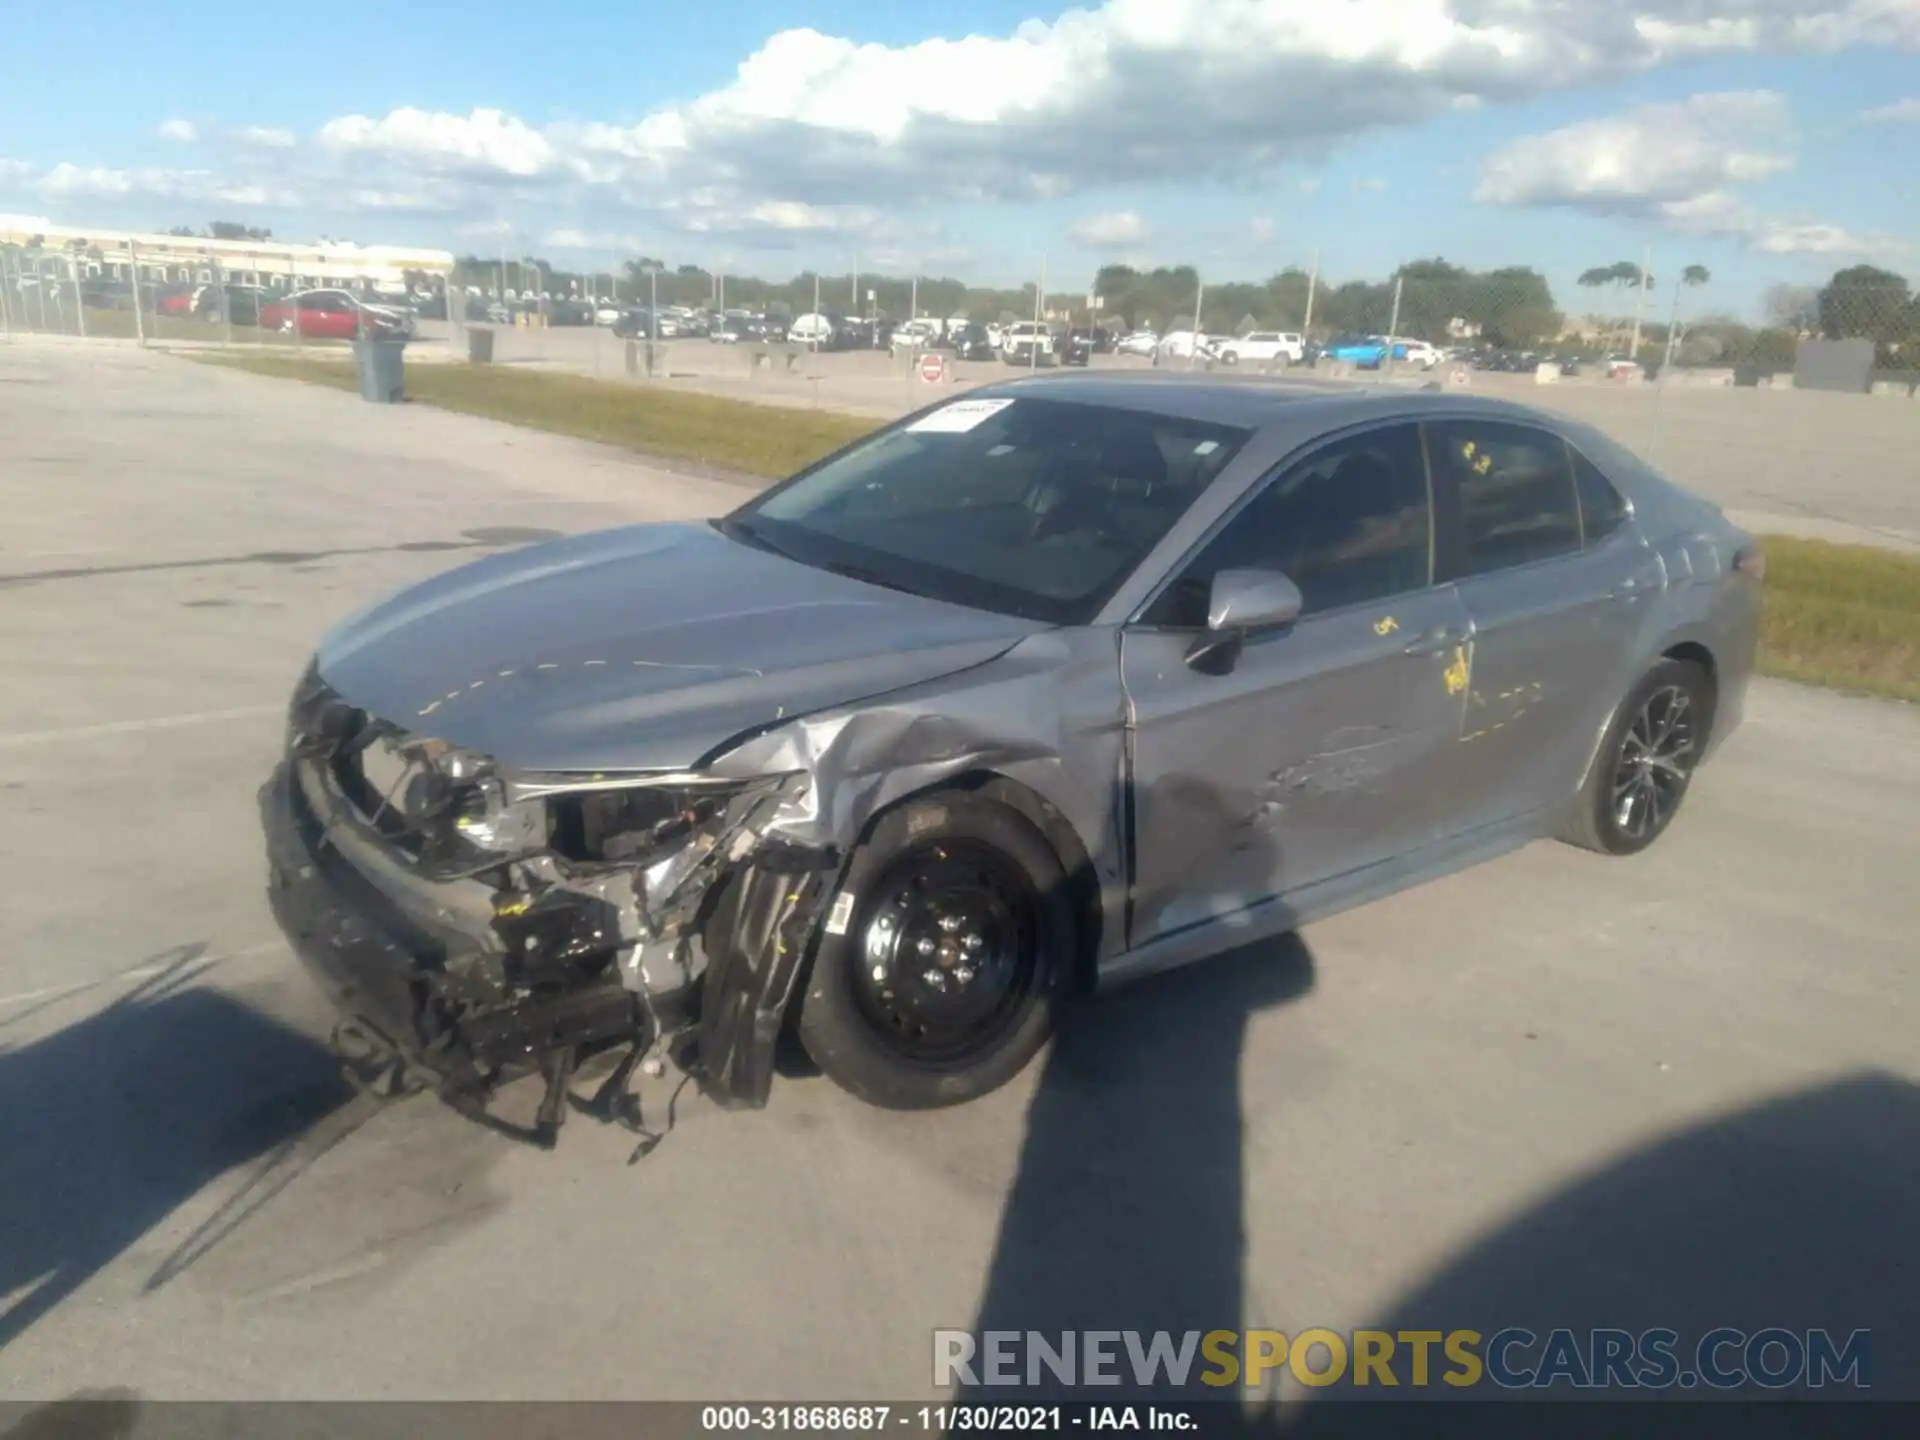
473 924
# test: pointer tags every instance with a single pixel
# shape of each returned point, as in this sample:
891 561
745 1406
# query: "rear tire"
1645 764
954 962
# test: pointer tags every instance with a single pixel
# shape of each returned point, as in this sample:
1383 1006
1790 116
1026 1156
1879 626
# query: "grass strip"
737 435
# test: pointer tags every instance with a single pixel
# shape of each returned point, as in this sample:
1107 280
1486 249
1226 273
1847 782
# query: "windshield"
1038 508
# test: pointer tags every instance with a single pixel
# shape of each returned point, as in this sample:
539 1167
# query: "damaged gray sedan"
1059 684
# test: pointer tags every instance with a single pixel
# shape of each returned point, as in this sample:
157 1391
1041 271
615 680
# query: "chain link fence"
1676 366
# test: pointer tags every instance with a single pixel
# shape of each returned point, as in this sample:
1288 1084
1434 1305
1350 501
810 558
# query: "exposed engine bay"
476 924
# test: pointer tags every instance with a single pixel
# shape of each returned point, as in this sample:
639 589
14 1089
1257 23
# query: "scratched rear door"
1556 613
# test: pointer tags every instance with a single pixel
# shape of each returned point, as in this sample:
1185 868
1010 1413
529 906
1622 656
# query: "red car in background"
336 315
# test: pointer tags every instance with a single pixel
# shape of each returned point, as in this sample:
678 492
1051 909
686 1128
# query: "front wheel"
1646 762
954 951
1230 358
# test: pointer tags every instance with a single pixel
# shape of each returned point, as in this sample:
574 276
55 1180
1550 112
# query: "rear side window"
1517 497
1602 509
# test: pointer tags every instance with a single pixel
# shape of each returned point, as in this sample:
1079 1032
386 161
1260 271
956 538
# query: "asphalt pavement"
1680 1089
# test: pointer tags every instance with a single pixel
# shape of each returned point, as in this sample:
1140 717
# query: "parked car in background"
814 330
1027 343
900 715
1364 352
1264 347
1415 352
968 342
1621 367
335 315
231 304
637 324
175 299
1184 344
1137 342
916 334
730 331
605 313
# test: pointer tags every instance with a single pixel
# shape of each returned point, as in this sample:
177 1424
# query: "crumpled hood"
639 648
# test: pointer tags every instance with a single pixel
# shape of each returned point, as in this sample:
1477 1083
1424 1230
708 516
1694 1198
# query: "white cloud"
1643 162
487 142
1111 231
1376 185
812 127
1678 165
1900 112
183 131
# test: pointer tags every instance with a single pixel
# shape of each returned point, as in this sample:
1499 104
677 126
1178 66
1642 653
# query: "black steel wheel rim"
1656 759
947 954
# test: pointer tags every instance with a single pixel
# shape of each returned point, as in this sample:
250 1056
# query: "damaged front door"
1322 748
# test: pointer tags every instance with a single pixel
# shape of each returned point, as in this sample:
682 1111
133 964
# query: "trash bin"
479 345
382 370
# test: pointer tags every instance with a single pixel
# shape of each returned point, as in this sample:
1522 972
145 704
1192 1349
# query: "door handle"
1441 637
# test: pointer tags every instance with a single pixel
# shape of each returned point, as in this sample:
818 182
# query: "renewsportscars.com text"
1509 1359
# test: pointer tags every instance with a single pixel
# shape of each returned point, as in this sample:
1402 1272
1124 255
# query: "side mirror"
1240 601
1252 600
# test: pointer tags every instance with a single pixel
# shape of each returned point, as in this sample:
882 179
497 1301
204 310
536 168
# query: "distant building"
194 259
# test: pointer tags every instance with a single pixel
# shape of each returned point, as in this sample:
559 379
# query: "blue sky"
1771 140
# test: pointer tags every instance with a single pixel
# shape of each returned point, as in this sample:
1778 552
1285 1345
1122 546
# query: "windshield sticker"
999 450
1206 447
959 417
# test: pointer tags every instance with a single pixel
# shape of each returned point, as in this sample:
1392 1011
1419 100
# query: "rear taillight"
1751 561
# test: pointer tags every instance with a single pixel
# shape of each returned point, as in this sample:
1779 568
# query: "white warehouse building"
195 259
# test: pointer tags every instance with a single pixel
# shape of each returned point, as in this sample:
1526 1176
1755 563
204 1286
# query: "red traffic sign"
933 368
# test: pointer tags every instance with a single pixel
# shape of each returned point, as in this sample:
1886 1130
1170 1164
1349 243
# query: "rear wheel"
1646 762
953 961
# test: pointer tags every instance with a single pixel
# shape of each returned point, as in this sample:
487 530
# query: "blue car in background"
1364 352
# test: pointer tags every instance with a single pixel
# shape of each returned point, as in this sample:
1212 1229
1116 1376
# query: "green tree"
1865 302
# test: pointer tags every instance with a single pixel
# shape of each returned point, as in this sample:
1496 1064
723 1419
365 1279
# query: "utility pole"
1393 324
1640 308
1199 298
1313 284
913 301
853 298
133 268
1039 310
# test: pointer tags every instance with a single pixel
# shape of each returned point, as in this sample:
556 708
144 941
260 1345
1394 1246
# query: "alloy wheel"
1656 759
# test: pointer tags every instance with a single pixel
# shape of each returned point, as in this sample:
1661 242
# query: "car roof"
1259 403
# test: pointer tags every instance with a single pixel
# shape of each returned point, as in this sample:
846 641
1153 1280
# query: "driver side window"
1350 524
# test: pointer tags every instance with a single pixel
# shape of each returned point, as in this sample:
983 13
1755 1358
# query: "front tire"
1646 763
954 961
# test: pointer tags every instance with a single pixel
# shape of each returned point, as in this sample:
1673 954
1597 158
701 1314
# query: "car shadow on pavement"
1802 1213
109 1125
1126 1210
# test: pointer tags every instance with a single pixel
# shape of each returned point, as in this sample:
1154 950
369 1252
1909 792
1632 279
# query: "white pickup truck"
1027 344
1264 347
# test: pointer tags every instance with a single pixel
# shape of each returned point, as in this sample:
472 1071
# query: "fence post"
293 303
1393 326
79 301
133 269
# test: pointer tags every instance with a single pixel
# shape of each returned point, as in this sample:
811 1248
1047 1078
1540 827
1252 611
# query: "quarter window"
1517 498
1348 525
1601 507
